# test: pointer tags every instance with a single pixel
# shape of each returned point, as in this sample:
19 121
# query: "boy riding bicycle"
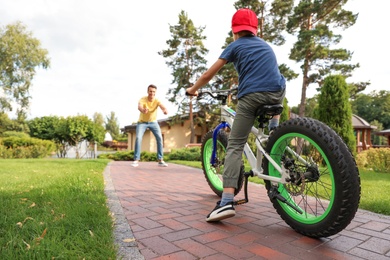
260 83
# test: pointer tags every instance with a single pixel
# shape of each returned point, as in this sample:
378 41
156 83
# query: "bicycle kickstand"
243 201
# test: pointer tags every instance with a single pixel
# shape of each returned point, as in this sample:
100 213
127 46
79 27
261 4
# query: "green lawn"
54 209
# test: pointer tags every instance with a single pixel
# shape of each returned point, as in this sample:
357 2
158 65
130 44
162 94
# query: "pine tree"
335 110
185 56
314 23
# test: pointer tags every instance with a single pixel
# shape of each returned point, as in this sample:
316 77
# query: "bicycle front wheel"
324 180
214 172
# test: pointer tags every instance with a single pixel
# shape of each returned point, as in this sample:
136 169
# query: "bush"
377 159
15 134
129 156
23 146
118 156
185 154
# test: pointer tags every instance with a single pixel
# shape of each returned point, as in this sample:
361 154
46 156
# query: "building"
362 131
175 135
385 133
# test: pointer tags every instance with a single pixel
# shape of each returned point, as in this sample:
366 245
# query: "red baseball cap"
245 20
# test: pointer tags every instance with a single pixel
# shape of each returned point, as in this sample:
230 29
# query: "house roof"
383 132
360 123
161 122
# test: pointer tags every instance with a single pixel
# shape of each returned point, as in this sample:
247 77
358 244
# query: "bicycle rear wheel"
213 173
324 180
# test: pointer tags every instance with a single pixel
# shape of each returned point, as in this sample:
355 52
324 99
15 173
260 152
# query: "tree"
48 128
67 132
373 106
310 106
185 56
335 110
312 22
20 55
6 124
377 139
98 119
112 126
17 125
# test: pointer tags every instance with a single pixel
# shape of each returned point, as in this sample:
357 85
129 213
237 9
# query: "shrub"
129 156
118 156
185 154
23 146
377 159
15 134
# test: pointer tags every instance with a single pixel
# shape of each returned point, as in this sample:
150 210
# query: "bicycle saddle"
270 110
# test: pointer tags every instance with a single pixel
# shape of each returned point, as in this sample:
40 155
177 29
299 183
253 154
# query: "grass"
54 209
375 188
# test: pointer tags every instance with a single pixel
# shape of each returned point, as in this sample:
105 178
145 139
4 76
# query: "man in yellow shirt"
148 119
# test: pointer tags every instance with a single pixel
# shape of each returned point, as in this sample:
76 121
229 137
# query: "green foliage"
98 119
286 111
373 106
118 156
112 126
376 159
128 156
20 55
377 139
185 56
66 132
313 22
335 110
7 124
15 134
23 146
186 154
45 127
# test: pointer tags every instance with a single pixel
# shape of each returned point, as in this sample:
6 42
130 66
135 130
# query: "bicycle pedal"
240 202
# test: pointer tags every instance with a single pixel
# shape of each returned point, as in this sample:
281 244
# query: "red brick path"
166 210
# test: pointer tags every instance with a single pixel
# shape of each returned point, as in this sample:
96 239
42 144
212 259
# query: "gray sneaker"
221 212
162 164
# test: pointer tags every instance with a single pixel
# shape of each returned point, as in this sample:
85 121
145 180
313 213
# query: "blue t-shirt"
256 65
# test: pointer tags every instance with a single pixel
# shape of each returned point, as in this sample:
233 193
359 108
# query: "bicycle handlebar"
216 94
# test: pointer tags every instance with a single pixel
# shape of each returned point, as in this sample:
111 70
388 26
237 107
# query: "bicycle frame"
227 120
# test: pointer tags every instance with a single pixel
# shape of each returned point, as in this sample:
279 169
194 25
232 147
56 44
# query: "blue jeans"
140 130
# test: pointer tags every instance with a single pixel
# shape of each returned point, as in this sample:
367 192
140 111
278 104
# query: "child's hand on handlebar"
190 91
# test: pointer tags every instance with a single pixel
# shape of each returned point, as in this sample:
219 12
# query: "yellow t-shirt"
151 116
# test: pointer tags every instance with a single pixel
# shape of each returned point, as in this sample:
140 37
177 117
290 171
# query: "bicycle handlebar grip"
188 94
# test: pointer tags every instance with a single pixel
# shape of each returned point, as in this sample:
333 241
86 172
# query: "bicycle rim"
314 198
214 174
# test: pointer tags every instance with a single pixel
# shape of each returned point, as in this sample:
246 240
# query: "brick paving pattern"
165 209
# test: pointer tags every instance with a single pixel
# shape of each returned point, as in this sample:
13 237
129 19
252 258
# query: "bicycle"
310 175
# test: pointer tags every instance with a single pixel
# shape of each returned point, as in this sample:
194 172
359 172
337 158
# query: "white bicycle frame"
227 117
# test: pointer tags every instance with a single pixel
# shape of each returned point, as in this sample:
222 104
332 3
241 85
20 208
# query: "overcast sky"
104 53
